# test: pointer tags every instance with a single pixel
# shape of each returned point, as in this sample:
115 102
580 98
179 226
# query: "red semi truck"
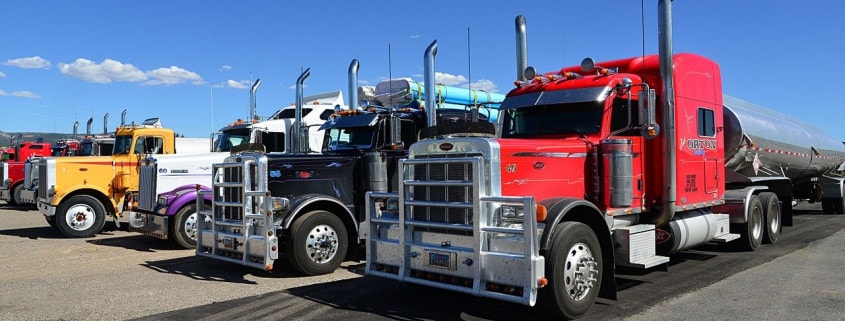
12 171
588 175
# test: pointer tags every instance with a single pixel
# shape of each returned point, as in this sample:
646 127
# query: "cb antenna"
474 107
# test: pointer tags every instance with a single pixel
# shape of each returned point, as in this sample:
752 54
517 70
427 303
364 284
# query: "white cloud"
449 79
29 63
225 68
238 84
461 81
172 76
485 85
2 75
111 70
20 93
415 36
103 73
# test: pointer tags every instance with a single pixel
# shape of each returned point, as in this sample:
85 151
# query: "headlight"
163 200
508 216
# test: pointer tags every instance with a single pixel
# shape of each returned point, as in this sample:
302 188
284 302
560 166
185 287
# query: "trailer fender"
737 202
562 209
308 202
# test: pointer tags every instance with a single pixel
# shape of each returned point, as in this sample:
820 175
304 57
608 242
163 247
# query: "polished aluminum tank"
763 142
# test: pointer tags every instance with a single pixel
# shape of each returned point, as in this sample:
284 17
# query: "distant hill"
5 138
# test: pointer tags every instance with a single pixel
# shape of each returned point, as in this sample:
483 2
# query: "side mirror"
648 122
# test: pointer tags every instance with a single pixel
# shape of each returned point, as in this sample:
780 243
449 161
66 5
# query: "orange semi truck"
75 194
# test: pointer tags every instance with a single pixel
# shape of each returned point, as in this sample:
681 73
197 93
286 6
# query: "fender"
90 189
185 194
737 202
561 209
307 202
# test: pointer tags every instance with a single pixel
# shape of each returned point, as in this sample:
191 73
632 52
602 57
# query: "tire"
317 243
828 205
771 212
80 216
574 271
51 220
751 232
184 229
16 194
12 197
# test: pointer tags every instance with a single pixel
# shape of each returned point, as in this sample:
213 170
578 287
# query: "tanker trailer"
794 159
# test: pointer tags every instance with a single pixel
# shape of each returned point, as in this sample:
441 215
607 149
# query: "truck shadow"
365 298
34 233
205 269
138 242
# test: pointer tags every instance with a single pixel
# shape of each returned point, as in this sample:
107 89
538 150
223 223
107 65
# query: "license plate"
229 243
443 260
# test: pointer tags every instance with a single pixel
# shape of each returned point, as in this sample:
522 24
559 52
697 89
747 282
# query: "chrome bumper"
157 226
46 208
29 196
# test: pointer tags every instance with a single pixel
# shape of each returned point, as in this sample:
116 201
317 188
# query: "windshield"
349 138
122 144
86 148
554 119
231 138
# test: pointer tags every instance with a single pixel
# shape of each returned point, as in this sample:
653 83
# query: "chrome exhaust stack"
429 84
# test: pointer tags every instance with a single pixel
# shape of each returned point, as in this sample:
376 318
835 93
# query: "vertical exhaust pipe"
521 48
88 126
106 123
670 192
353 84
252 99
123 118
300 141
75 126
429 84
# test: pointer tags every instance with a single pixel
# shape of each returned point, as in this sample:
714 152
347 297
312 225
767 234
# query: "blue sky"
62 61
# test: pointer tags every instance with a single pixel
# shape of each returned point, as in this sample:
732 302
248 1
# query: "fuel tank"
763 143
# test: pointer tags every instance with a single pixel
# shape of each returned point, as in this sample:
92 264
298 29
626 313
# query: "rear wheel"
751 232
771 210
80 216
317 243
574 271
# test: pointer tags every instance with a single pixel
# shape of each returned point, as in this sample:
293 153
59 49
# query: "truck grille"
234 186
42 178
147 178
27 174
440 189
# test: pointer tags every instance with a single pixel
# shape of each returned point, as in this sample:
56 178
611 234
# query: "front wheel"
80 216
317 243
184 229
16 194
574 271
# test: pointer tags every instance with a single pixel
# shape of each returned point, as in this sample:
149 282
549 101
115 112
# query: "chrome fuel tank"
763 142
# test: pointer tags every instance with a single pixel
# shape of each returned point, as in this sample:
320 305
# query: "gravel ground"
118 274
